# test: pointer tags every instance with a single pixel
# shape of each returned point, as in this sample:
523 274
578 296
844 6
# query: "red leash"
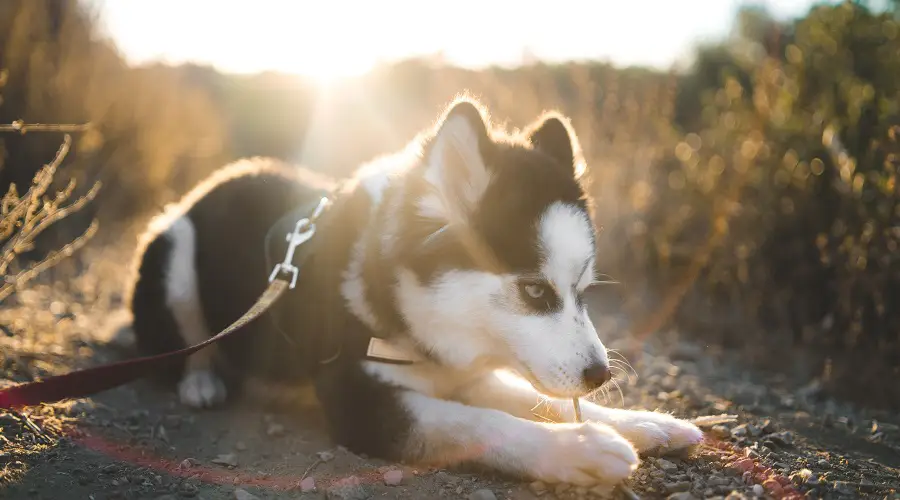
89 381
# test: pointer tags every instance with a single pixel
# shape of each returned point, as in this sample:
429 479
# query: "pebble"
325 456
274 429
240 494
482 494
741 466
844 487
348 488
240 446
678 487
666 465
228 460
393 477
802 476
758 490
684 495
537 487
187 463
720 431
308 485
772 486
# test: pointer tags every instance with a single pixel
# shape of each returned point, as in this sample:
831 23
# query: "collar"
382 351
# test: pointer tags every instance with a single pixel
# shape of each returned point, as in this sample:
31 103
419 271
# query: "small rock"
866 485
678 487
720 431
773 487
240 446
325 456
739 431
666 465
781 439
717 481
758 490
683 495
844 488
349 488
240 494
393 477
228 460
802 476
188 489
187 463
308 485
537 487
274 429
482 494
741 466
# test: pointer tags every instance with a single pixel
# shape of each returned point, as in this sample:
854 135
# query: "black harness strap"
276 245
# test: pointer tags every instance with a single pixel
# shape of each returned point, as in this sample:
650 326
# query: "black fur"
232 213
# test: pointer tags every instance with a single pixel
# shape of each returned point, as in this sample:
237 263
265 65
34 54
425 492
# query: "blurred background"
742 155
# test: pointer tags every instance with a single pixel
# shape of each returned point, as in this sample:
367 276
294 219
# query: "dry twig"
24 218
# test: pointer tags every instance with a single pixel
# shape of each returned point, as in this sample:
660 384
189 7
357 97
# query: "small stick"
626 492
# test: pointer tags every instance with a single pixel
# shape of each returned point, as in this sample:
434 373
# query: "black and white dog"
468 252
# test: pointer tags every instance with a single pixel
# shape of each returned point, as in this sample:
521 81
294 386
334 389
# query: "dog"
465 254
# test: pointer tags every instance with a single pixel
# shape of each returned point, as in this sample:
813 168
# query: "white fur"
199 387
551 350
474 322
353 289
584 454
565 240
454 155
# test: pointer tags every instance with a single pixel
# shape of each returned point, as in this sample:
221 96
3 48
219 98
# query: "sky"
334 38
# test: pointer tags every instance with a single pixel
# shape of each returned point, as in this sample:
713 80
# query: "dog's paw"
587 454
201 389
650 431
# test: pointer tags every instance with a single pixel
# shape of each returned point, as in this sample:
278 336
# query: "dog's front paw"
201 389
655 431
587 454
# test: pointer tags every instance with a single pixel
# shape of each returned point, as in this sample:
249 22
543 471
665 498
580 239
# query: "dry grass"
25 217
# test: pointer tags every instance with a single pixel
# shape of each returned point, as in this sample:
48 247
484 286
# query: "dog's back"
201 264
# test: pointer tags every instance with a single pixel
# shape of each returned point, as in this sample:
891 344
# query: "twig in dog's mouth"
627 492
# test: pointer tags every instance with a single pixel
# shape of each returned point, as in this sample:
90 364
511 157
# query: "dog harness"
297 228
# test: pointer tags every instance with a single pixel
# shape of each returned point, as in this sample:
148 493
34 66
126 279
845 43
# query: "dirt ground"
137 442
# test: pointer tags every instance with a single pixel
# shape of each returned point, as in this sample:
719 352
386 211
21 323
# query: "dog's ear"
456 166
553 134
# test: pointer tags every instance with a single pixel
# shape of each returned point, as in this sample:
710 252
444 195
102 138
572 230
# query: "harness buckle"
304 230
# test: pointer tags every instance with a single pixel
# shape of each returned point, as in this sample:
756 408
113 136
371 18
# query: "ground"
137 442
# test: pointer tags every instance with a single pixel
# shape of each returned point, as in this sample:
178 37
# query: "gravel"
767 435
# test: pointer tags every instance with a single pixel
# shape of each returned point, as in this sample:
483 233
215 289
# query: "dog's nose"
596 375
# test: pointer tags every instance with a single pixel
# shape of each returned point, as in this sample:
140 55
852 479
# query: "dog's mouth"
529 375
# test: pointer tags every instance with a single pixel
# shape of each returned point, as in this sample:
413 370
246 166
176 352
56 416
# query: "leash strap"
90 381
93 380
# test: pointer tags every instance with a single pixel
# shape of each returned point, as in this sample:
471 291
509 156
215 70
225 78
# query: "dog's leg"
200 386
645 429
448 432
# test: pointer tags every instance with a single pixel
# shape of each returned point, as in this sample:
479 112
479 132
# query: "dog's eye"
538 295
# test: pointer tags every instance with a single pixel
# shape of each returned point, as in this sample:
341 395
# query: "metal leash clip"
303 231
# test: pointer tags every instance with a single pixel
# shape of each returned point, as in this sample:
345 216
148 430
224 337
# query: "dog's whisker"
623 363
621 394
